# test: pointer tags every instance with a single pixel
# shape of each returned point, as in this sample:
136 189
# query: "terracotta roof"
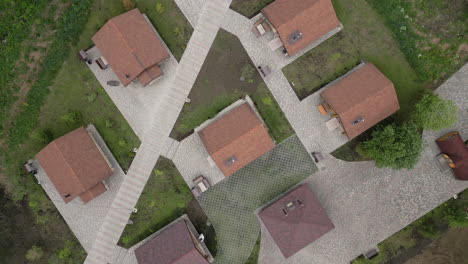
452 145
239 136
130 45
75 165
296 220
174 245
149 74
362 99
312 18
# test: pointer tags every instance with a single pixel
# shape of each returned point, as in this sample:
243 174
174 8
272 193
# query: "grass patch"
364 38
228 75
170 23
349 151
163 200
431 33
253 258
249 8
407 242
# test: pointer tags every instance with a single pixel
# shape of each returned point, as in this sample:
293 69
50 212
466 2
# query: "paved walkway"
84 220
153 140
303 115
367 204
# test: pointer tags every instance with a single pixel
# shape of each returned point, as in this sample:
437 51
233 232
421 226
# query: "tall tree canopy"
395 146
435 113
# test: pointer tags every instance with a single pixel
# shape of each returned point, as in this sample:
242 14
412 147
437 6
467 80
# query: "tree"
435 113
394 146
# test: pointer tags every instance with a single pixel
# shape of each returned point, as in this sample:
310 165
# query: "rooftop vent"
127 76
230 160
294 37
284 212
290 206
357 121
299 202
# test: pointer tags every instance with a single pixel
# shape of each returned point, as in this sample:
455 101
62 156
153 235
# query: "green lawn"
249 8
76 99
228 75
164 199
253 258
431 33
230 204
170 23
364 38
407 242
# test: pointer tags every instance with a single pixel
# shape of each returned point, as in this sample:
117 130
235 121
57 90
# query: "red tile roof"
238 134
296 220
312 18
75 165
130 45
365 97
452 145
174 245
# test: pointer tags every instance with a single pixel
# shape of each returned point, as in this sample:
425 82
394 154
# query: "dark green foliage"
16 18
435 113
394 146
69 29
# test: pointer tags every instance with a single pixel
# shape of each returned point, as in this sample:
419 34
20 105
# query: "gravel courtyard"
230 204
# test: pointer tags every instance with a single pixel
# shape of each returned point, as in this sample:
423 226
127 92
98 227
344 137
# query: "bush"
34 254
435 113
128 4
394 146
160 8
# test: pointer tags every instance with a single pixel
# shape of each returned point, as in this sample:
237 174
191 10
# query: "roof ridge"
68 165
237 138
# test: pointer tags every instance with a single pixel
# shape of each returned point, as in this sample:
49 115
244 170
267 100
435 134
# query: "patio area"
134 101
85 220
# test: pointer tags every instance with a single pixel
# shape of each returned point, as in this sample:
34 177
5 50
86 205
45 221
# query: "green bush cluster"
69 29
399 146
15 26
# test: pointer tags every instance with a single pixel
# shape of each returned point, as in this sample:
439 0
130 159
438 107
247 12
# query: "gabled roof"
130 45
174 245
236 139
452 145
361 99
312 18
75 165
295 220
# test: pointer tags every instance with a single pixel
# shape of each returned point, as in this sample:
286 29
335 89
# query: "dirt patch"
450 248
462 50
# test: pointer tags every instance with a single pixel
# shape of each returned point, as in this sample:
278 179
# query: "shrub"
34 254
109 123
435 113
128 4
247 71
160 8
71 117
394 146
